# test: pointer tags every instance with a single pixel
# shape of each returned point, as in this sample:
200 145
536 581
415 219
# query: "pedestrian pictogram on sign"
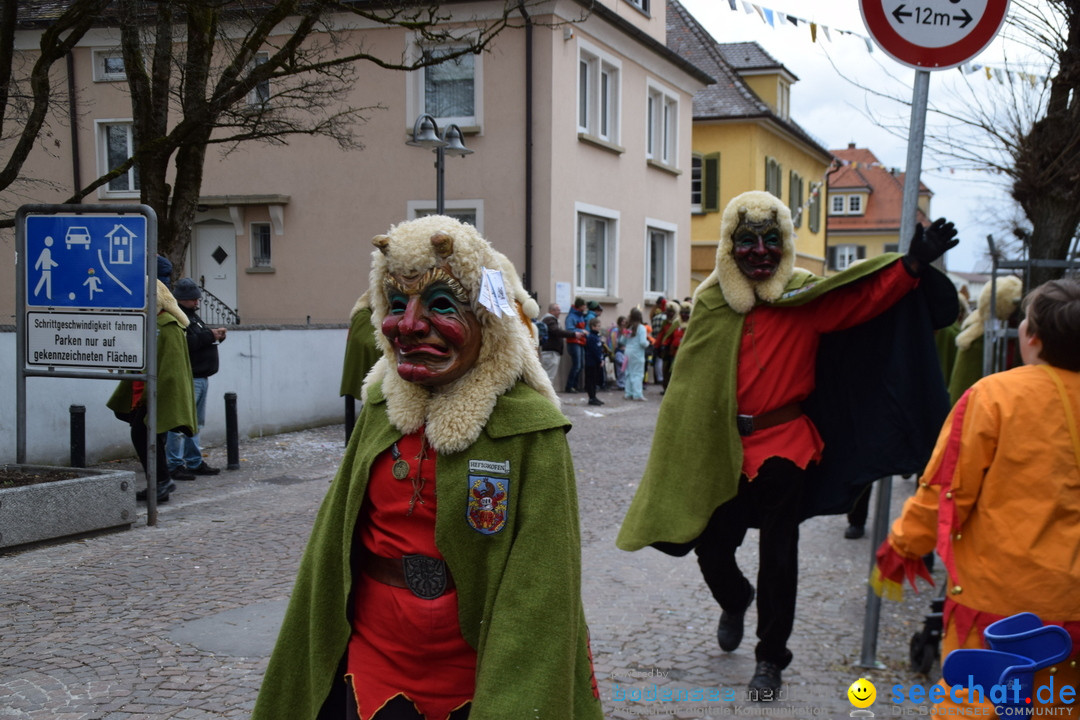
933 34
86 261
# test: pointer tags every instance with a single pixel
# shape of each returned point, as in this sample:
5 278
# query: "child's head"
594 324
1053 317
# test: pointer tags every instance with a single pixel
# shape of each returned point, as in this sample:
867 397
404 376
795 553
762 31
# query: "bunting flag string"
775 17
816 186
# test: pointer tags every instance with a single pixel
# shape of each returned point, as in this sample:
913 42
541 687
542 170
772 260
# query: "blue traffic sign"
86 261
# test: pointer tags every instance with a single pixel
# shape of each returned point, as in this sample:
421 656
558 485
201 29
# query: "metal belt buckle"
425 576
745 423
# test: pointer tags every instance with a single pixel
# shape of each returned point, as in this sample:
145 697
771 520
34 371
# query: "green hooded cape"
519 590
361 352
175 387
696 457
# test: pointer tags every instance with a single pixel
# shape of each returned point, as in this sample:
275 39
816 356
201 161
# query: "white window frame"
846 255
671 231
599 94
697 182
846 205
583 212
260 96
662 125
422 208
101 133
257 261
416 102
101 72
642 5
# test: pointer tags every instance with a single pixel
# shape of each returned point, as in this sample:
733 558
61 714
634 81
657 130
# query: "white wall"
284 379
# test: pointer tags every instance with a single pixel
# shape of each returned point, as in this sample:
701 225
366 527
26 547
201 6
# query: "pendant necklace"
401 468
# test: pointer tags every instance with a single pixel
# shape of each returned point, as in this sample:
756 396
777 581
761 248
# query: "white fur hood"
740 292
455 414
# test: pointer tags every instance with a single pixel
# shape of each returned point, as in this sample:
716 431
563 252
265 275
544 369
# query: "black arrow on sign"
901 15
966 17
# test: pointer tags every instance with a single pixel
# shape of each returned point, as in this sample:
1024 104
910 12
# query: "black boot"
163 491
730 631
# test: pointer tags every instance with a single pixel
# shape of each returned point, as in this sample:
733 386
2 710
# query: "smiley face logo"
862 693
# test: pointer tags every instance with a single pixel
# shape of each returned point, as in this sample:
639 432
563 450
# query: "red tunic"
776 360
400 644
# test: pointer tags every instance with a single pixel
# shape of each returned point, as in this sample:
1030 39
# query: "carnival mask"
435 334
757 246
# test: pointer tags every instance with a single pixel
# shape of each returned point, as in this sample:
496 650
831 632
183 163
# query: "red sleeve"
862 300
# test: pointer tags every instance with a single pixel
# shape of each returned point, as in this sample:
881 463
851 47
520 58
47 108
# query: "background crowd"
627 354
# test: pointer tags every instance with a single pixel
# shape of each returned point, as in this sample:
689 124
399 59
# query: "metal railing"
215 312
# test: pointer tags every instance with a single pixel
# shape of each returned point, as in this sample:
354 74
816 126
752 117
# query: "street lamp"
425 134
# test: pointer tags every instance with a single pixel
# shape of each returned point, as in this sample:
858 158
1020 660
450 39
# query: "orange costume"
1000 500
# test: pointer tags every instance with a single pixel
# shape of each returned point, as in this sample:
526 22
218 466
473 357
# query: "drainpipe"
73 118
833 167
527 277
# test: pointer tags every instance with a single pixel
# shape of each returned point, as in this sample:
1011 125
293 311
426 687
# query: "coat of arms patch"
487 507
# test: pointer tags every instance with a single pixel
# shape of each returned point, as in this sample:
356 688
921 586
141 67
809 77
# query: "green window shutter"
774 178
814 221
710 183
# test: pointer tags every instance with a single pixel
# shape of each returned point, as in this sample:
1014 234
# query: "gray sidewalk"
177 621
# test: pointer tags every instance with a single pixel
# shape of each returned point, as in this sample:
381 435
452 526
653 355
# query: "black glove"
928 244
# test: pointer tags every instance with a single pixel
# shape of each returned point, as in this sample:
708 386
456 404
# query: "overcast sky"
836 112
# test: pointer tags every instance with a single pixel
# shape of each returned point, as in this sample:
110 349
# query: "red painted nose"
413 321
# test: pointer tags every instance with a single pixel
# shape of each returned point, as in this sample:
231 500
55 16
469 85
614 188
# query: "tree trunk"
1047 181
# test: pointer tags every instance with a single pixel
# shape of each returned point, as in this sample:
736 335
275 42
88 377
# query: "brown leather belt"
426 577
748 424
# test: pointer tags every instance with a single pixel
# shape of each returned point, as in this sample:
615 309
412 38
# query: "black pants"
774 500
397 708
138 439
592 380
861 508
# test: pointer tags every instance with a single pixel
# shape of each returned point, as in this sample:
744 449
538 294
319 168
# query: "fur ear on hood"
739 291
454 414
1010 290
167 303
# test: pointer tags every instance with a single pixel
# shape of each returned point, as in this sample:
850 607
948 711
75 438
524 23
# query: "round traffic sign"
933 34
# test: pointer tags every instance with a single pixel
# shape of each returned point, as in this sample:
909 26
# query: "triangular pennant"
813 32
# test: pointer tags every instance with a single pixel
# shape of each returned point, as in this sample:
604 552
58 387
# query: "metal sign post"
86 304
926 36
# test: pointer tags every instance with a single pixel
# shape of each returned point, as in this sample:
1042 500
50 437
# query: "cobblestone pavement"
177 621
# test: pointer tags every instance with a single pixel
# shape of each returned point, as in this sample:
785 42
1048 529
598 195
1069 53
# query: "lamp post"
425 134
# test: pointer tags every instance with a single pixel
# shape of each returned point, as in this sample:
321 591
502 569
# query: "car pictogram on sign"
77 235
